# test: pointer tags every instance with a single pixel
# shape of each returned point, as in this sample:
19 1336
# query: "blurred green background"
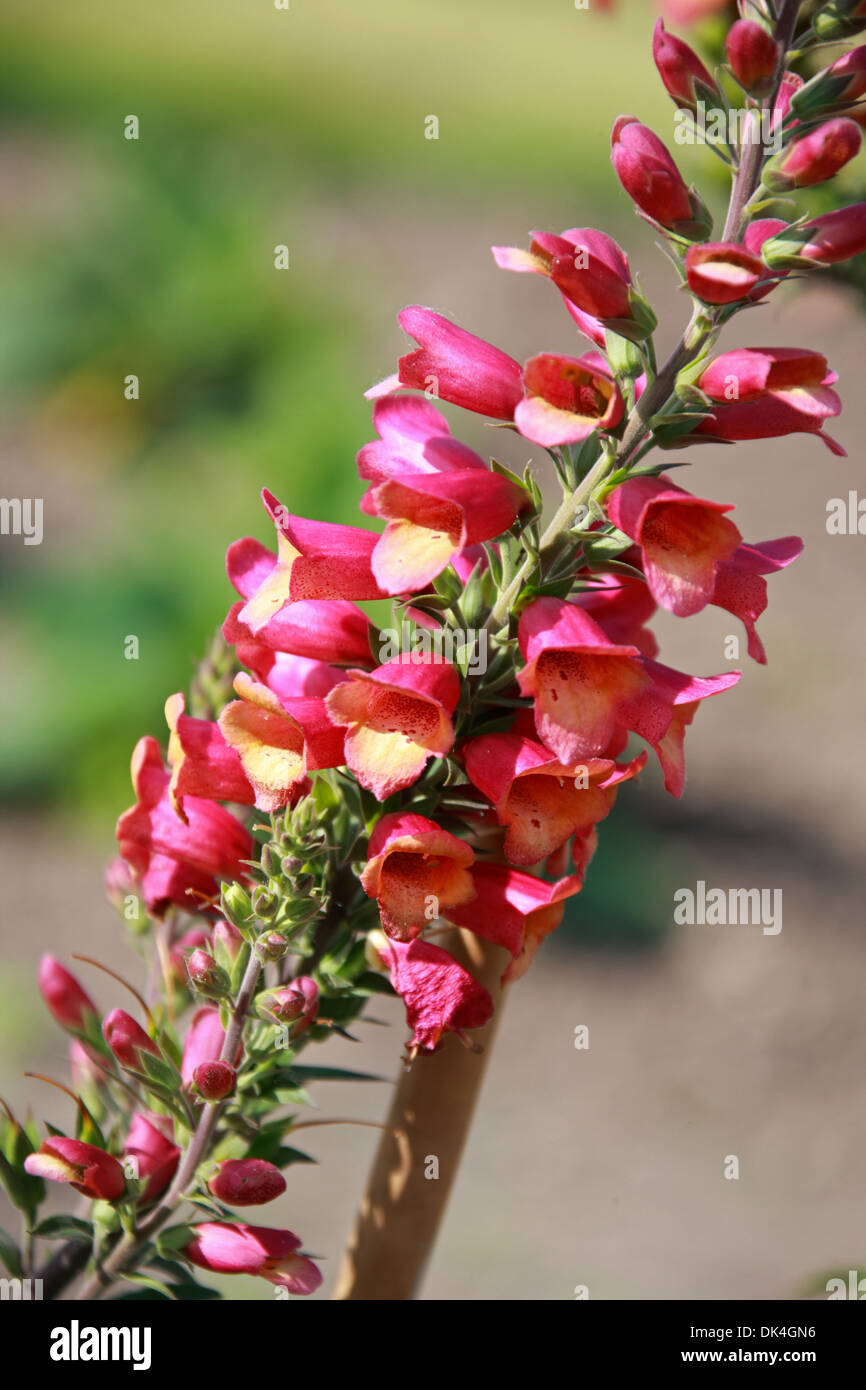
258 127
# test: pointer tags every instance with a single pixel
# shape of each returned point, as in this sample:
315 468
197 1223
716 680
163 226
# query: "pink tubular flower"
150 1144
127 1040
752 54
741 589
202 763
588 690
678 695
317 630
588 268
68 1003
177 861
844 81
246 1182
396 718
649 175
567 399
316 560
542 802
514 910
761 393
683 540
233 1248
680 68
414 437
433 517
688 12
721 272
816 157
90 1170
826 240
439 995
278 744
621 605
582 683
415 871
456 366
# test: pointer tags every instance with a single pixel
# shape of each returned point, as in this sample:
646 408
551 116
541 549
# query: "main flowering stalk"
341 810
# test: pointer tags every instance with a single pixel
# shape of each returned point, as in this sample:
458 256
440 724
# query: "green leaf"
174 1238
11 1255
163 1073
294 1095
63 1227
25 1192
314 1073
154 1285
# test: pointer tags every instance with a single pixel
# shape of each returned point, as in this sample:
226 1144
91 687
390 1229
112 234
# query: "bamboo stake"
429 1118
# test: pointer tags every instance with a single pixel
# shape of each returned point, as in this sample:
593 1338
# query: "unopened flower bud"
753 55
127 1040
236 906
214 1080
179 951
247 1182
839 18
296 1003
227 940
685 78
270 946
818 156
264 902
67 1001
206 977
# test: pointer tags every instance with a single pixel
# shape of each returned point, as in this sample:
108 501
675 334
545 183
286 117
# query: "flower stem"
194 1154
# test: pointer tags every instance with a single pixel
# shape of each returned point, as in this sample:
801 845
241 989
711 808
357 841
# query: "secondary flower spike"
682 539
396 718
415 871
